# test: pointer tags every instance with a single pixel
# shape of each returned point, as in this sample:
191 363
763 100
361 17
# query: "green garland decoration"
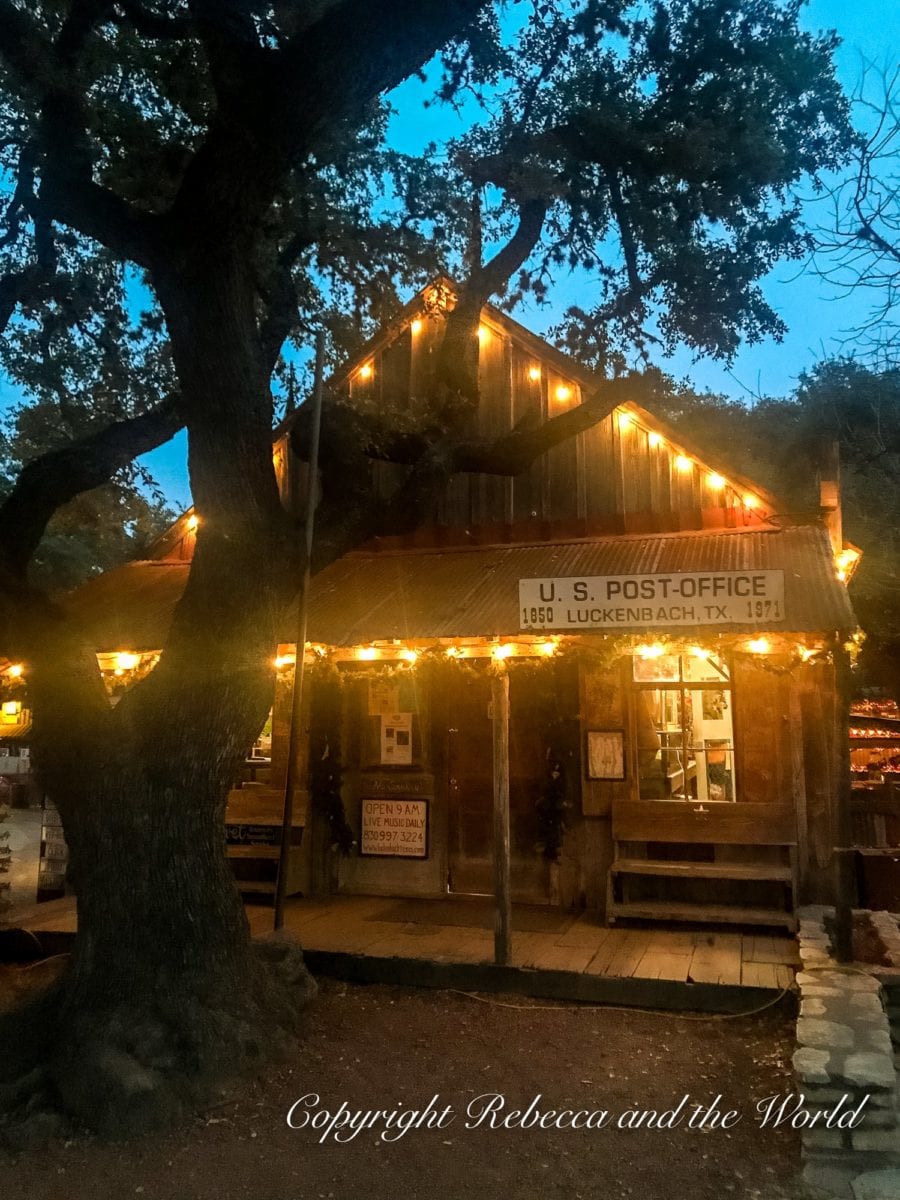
325 758
560 722
553 805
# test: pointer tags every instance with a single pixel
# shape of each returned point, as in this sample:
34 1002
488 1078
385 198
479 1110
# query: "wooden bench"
253 838
744 844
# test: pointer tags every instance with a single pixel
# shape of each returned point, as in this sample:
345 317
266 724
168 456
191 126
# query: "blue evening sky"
815 316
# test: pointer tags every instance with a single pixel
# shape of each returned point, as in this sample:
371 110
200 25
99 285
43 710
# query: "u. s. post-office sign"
653 601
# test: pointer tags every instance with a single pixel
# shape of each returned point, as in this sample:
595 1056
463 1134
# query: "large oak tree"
227 153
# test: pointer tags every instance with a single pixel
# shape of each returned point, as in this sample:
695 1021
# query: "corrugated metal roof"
469 592
129 608
474 592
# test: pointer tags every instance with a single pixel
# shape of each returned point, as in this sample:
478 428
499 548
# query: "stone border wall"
885 925
845 1056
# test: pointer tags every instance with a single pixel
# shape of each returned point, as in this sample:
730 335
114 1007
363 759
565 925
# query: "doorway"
470 790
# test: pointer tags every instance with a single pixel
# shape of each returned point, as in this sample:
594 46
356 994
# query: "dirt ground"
381 1047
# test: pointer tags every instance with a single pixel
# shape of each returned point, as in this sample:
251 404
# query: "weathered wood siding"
614 477
762 732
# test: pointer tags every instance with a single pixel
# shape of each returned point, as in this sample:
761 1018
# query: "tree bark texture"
165 994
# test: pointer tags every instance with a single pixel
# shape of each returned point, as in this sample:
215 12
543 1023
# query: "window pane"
685 743
710 669
663 669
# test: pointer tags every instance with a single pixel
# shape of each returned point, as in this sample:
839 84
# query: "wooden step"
704 914
245 851
260 886
775 872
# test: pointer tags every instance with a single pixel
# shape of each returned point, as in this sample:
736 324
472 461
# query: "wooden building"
15 755
672 641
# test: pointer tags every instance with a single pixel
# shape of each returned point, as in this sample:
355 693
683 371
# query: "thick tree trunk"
166 995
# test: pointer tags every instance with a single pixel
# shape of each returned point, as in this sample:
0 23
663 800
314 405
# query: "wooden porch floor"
461 931
346 935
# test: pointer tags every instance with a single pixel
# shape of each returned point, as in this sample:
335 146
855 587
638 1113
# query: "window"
684 730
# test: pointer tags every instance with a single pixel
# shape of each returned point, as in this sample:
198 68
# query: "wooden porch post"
287 816
503 908
844 884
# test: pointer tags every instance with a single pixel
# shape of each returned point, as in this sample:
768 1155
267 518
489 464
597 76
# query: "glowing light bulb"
626 420
453 652
683 463
284 660
844 563
193 521
366 371
654 438
483 334
416 326
751 501
534 374
366 653
548 648
15 670
655 650
563 392
409 656
126 661
759 645
501 652
716 481
699 652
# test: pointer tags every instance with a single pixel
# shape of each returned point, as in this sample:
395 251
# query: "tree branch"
25 286
233 49
514 452
48 71
870 234
291 99
495 273
47 483
80 22
633 297
348 516
280 297
375 437
509 454
457 369
149 24
22 195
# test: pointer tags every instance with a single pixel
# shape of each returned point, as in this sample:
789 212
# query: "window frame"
681 687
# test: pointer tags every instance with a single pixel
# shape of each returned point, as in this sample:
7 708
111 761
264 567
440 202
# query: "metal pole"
287 819
503 909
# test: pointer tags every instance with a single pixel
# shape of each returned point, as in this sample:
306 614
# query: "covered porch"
554 954
645 727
